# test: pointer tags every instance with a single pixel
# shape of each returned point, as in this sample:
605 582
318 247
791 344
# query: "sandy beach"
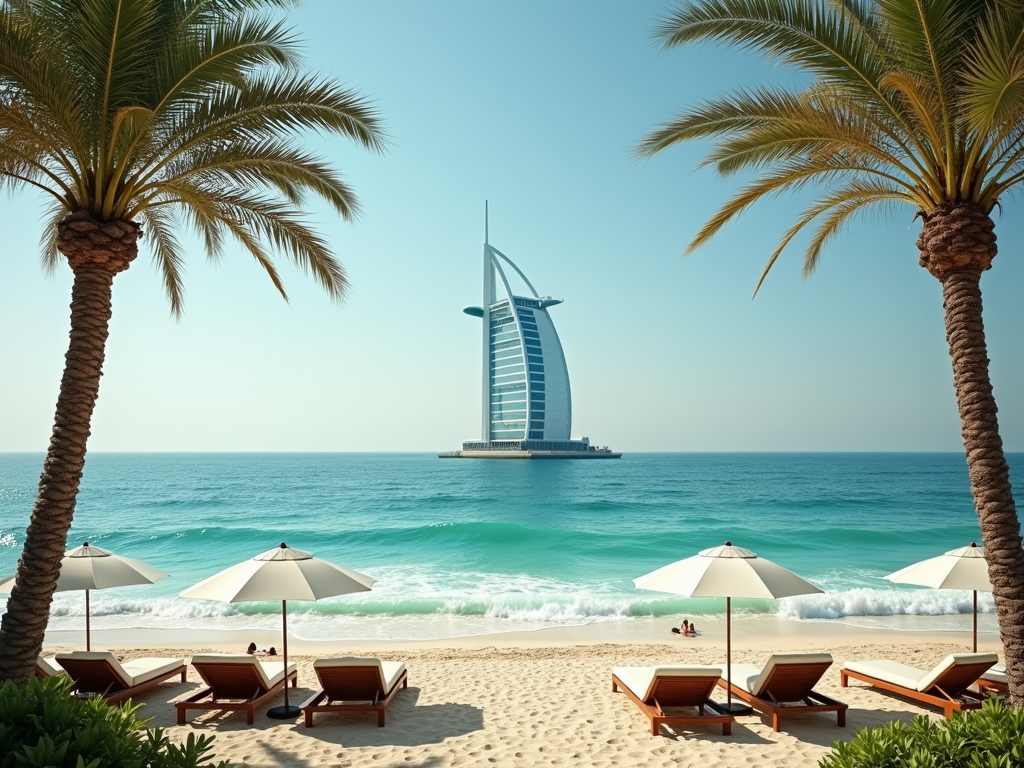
540 698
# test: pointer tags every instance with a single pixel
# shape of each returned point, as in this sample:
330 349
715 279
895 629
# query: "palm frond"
177 112
738 111
256 220
834 41
842 204
925 105
993 89
49 256
158 226
788 177
916 102
262 164
226 54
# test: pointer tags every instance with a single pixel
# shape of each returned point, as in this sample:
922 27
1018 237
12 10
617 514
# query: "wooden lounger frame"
40 672
679 691
1001 689
950 692
238 689
361 688
99 676
788 689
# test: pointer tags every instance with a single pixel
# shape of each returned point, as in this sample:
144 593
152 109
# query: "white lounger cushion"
270 673
388 672
753 679
50 666
912 677
144 670
997 674
640 680
130 673
744 676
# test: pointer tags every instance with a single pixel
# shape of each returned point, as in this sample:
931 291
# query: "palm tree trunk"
96 251
957 244
28 608
986 464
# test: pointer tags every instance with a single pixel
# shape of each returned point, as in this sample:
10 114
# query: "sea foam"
883 602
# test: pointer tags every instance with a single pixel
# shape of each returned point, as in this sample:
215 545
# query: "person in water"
691 631
683 629
251 650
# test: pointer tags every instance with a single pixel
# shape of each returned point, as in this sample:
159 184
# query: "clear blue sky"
535 106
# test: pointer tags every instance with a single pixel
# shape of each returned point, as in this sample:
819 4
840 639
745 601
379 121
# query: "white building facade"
526 399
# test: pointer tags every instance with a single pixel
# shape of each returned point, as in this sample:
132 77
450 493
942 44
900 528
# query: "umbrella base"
284 712
734 708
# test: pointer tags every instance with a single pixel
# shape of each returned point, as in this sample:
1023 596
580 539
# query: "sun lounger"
995 680
101 673
945 685
355 684
657 689
785 684
48 667
236 682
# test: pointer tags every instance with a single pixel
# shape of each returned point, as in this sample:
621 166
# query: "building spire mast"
488 300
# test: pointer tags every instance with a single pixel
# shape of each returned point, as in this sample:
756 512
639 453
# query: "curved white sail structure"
526 393
526 399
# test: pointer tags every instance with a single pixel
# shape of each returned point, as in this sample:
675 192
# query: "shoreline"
758 632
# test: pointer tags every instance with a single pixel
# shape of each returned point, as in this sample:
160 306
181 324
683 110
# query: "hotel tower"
526 408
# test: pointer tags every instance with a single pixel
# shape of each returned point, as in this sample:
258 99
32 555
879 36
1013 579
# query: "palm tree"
135 116
906 101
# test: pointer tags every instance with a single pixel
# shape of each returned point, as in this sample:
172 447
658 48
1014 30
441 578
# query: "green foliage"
990 738
42 725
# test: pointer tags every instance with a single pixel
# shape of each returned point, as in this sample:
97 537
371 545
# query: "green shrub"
42 725
992 737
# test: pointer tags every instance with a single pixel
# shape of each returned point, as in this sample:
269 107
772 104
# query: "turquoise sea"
470 546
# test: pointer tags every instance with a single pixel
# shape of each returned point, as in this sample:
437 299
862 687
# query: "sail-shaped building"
526 408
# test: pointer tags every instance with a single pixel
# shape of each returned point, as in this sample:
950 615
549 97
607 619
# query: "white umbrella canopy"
281 573
87 567
284 574
728 572
963 568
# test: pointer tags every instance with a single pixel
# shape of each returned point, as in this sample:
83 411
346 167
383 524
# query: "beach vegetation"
992 737
135 121
43 725
893 103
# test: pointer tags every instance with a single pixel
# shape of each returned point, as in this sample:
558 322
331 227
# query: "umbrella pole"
87 641
739 708
975 621
286 712
284 647
728 652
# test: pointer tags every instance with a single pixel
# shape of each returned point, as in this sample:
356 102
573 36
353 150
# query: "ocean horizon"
468 546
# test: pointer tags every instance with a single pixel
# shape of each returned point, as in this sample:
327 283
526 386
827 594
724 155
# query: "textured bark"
956 237
957 244
96 251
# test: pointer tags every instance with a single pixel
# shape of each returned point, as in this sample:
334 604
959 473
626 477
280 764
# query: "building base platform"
595 454
530 449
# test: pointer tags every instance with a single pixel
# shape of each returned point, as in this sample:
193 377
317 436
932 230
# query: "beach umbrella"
728 572
284 574
90 568
963 568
